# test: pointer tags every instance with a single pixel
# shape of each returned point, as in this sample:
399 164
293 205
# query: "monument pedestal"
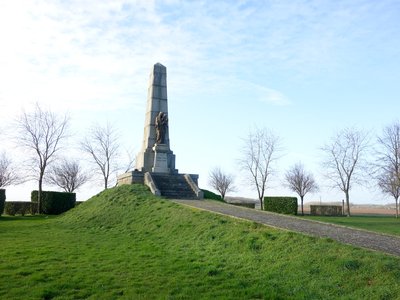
161 152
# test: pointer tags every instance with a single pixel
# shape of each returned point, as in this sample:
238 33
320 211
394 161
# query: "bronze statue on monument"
161 125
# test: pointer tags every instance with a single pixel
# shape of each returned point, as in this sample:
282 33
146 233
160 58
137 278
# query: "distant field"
382 224
126 244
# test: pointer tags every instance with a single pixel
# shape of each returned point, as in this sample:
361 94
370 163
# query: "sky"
302 69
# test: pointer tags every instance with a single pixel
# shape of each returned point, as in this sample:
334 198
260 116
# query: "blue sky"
304 69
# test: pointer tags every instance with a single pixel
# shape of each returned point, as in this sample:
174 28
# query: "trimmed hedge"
245 204
282 205
13 208
211 195
326 210
55 203
2 200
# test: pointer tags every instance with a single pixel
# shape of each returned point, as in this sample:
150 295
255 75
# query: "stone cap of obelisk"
157 101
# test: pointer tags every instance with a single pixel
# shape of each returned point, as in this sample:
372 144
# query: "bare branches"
301 182
221 181
129 162
102 145
388 162
41 133
8 174
67 175
260 151
344 163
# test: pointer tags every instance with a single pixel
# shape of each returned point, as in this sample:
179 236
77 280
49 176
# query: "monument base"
130 178
145 160
160 165
168 185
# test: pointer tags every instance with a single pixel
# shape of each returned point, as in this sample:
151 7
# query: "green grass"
381 224
126 244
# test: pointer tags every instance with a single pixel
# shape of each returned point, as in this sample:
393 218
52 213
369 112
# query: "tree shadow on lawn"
26 218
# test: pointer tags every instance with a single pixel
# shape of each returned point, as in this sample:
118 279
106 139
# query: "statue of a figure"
161 127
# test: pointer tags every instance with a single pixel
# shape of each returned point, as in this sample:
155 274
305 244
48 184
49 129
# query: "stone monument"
155 163
156 155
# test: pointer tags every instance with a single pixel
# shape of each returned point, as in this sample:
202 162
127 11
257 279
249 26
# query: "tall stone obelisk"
155 163
155 156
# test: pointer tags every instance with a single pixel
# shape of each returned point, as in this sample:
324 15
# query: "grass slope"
125 243
382 224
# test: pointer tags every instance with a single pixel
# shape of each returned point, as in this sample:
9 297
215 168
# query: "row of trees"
344 162
42 134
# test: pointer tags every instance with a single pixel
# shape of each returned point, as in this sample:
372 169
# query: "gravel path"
361 238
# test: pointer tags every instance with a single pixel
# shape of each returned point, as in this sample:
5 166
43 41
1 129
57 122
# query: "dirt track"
361 238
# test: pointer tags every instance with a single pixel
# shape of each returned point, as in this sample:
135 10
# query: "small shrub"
211 195
282 205
55 203
2 200
23 208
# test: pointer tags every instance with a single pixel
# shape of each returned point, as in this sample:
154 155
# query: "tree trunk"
261 196
397 208
302 209
39 208
347 204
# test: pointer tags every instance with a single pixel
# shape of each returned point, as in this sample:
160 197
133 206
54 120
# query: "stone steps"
173 186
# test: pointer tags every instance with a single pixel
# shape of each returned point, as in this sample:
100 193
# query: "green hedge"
211 195
2 200
326 210
55 203
245 204
282 205
13 208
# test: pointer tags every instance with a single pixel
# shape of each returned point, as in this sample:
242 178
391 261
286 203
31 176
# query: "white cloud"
78 54
273 97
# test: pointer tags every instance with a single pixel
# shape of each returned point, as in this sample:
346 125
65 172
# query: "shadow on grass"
26 218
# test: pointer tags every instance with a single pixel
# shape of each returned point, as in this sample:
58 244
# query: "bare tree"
221 181
388 162
102 145
389 184
129 161
344 163
300 181
41 134
67 175
8 174
261 150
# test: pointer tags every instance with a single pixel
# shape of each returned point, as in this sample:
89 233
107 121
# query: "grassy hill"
125 243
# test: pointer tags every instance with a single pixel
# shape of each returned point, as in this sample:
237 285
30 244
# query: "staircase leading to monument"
173 186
